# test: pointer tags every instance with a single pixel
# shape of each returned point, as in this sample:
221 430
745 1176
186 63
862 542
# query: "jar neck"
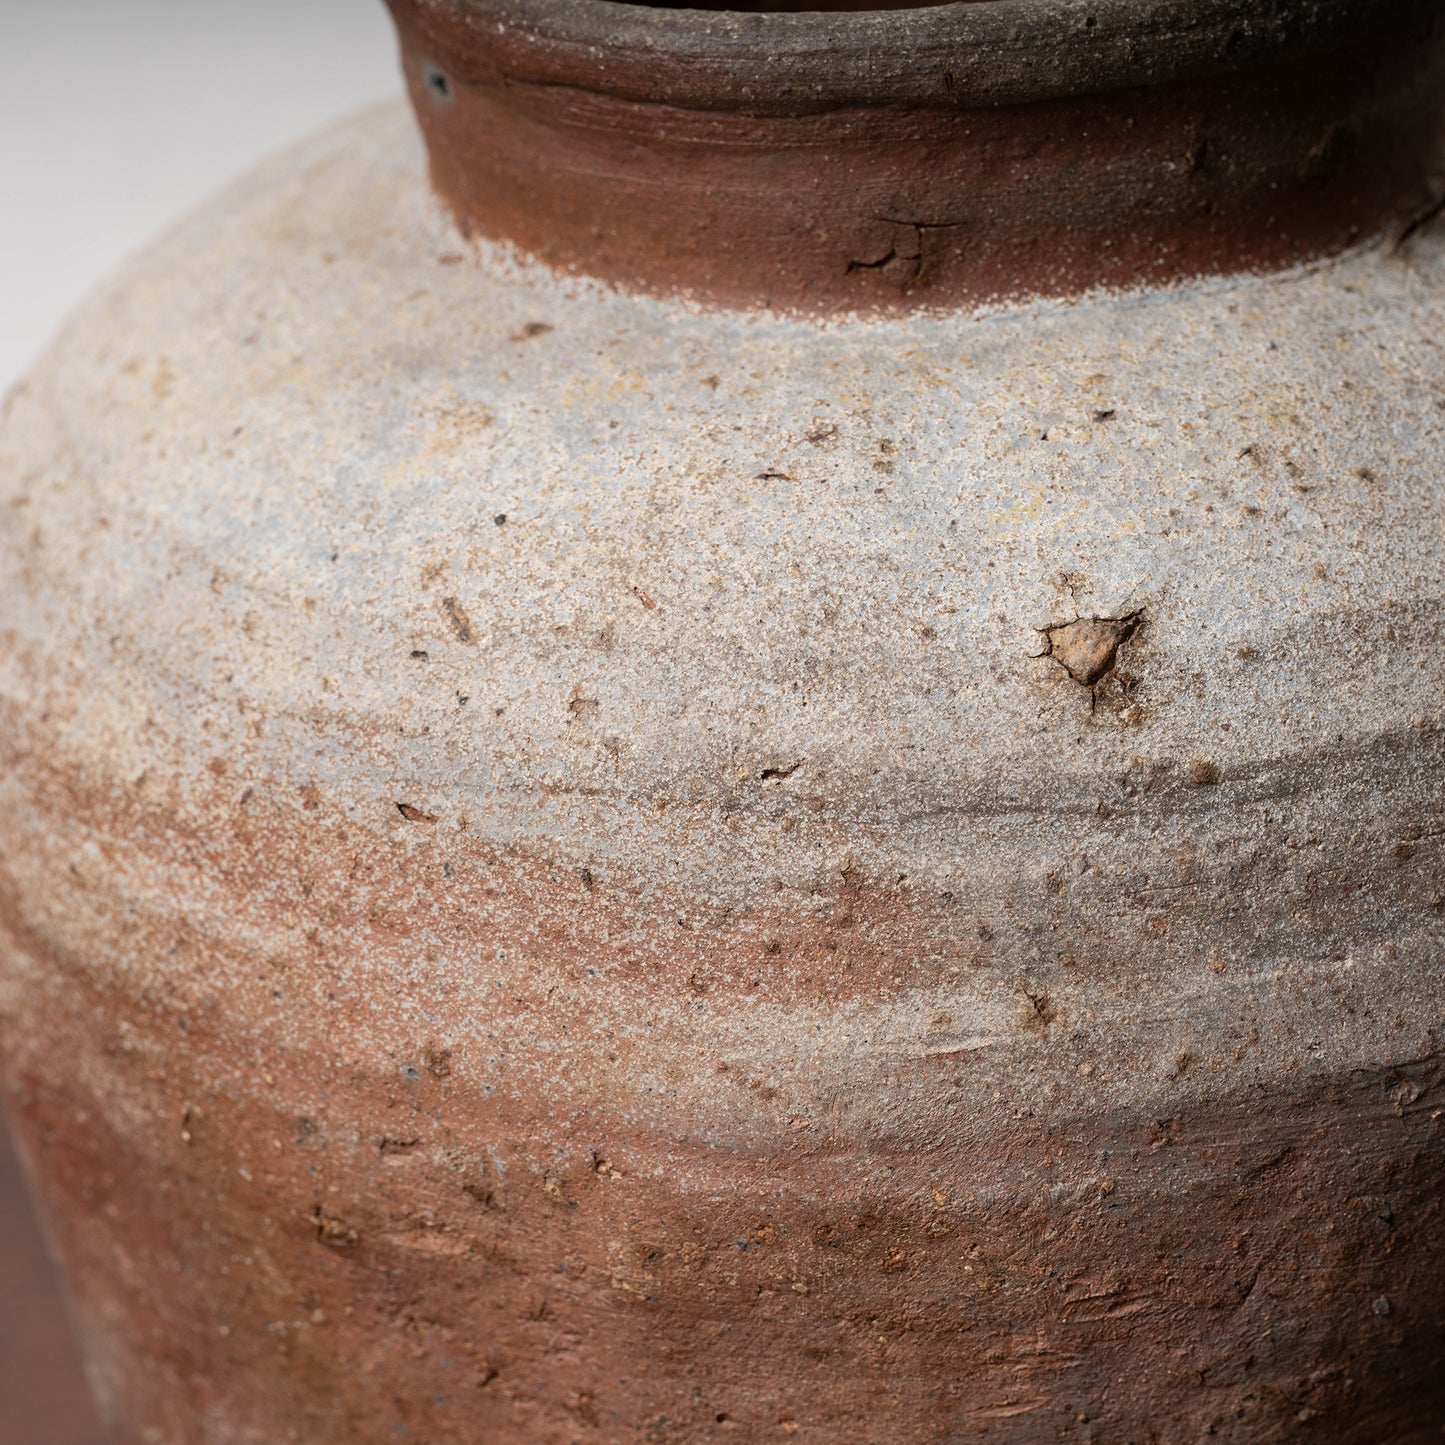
883 161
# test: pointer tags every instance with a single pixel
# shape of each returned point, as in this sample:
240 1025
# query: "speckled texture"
557 881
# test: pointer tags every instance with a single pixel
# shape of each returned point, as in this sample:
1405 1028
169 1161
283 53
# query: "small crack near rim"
916 259
879 264
1418 222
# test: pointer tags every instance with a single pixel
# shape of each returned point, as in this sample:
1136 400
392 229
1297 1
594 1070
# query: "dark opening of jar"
800 7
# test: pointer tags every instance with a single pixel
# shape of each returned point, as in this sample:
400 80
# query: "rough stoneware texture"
560 882
950 155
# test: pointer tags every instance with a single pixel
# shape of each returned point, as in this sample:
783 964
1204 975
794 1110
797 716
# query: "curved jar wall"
580 864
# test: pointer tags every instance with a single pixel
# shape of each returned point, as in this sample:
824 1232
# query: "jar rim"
970 54
838 162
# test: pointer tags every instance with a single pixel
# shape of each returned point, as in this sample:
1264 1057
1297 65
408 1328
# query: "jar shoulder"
317 441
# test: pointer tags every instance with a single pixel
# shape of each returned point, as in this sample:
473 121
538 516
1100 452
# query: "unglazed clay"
584 866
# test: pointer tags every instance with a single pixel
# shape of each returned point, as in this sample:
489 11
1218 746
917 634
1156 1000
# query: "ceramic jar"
774 773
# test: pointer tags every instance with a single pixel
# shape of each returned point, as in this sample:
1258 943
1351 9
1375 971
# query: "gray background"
116 116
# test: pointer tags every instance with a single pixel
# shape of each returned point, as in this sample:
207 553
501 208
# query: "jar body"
575 866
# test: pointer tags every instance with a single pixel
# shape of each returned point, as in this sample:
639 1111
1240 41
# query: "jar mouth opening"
797 7
799 56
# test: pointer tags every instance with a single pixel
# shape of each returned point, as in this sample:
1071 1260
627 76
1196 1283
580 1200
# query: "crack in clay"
881 262
779 773
1419 222
914 261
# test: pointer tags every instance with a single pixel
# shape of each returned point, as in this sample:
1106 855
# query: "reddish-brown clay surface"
1055 1277
341 1246
576 868
44 1399
806 186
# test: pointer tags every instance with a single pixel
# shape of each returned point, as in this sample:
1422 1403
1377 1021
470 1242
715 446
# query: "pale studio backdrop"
116 116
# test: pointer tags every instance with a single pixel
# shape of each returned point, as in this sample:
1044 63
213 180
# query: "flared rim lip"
976 53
